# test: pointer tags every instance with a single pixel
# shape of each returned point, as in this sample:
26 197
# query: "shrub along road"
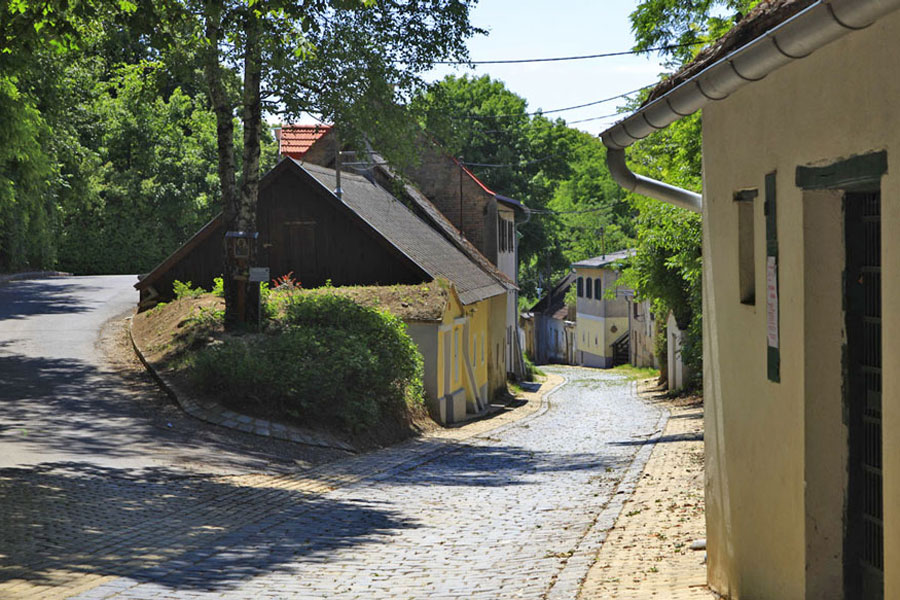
514 512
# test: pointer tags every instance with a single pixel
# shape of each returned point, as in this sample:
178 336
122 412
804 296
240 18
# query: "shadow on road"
179 532
662 439
503 465
41 297
54 407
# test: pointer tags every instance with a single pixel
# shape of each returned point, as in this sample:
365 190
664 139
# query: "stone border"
213 412
32 275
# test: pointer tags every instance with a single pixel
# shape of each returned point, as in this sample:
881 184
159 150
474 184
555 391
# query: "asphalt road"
64 405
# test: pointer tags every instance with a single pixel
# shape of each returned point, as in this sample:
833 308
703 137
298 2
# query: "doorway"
864 537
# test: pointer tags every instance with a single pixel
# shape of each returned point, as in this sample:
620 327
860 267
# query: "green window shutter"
773 333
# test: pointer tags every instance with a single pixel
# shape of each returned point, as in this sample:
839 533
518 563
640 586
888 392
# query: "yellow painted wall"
599 323
468 328
764 439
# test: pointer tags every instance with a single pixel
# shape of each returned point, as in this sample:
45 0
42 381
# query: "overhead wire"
566 58
556 110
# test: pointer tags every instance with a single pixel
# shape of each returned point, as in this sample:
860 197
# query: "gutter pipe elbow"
615 160
817 25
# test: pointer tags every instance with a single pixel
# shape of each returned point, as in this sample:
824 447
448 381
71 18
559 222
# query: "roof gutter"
798 37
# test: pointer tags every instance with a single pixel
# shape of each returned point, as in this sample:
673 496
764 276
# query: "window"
580 287
512 236
746 259
588 288
598 291
482 348
501 238
634 309
455 354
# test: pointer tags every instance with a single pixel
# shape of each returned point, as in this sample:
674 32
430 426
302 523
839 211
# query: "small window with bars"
743 200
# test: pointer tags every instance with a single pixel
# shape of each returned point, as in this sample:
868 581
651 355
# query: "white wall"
761 436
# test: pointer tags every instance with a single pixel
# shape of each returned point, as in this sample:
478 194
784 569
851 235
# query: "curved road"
517 512
63 404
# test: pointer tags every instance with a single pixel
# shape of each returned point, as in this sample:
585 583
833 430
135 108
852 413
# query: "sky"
538 29
544 29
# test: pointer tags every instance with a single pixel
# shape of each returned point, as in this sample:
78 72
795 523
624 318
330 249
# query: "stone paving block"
511 513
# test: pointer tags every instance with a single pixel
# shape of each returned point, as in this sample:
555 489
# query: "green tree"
352 61
541 162
686 24
668 266
28 169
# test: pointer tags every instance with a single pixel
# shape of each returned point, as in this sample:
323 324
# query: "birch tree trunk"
225 150
242 304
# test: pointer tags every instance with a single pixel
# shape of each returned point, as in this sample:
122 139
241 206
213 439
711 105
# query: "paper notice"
772 301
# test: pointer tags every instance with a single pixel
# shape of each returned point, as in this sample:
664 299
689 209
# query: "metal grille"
873 535
864 313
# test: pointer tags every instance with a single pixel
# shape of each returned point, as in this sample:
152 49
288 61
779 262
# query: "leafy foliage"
688 23
334 360
184 290
548 166
667 268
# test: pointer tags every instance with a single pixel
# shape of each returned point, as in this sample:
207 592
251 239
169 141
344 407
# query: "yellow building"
462 351
601 315
801 191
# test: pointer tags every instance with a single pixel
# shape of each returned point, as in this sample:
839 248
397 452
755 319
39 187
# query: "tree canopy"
558 172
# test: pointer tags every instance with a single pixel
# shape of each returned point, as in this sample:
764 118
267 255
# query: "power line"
536 211
564 58
511 165
556 110
609 116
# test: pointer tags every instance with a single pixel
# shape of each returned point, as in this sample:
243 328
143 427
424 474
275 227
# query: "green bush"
184 290
333 360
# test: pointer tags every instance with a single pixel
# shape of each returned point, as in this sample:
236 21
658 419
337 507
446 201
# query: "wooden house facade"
364 237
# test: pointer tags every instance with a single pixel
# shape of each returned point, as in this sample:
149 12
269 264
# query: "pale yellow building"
801 191
601 310
463 361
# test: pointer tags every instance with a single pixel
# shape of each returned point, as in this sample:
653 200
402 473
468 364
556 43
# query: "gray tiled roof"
409 234
606 259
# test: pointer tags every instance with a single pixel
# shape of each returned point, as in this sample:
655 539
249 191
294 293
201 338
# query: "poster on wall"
772 301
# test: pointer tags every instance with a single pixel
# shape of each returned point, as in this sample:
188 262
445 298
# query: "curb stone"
32 275
215 413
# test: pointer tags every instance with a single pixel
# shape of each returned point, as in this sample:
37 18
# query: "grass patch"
531 371
633 372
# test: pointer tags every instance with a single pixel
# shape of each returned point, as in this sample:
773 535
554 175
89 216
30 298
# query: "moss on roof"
421 302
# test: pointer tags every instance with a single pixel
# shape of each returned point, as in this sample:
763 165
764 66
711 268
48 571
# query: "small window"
598 291
512 236
455 354
588 287
581 287
634 308
746 258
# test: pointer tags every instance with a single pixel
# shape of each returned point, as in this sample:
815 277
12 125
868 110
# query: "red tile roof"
472 175
295 140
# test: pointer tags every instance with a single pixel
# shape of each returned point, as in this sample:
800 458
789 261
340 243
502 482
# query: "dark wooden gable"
305 229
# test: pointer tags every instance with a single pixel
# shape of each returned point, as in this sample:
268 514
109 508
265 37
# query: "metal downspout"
810 29
615 159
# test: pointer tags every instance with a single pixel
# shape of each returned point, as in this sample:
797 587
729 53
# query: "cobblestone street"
511 513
